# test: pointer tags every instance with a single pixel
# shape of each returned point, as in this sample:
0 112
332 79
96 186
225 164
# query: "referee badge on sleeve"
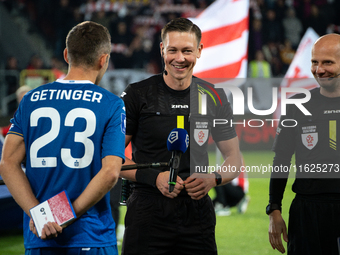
201 136
309 137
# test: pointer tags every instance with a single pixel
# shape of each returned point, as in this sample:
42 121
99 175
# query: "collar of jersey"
74 81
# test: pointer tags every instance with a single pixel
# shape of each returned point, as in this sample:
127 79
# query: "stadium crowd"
275 27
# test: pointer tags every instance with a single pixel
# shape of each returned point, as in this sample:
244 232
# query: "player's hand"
277 226
32 228
198 185
50 230
163 186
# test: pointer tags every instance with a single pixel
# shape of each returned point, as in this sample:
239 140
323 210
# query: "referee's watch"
271 207
218 178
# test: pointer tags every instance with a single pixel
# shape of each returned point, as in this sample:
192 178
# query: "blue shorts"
111 250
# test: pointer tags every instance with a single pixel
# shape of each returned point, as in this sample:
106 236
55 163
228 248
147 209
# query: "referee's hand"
277 226
163 186
198 185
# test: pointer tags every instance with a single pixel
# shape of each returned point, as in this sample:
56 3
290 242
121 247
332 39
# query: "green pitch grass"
237 234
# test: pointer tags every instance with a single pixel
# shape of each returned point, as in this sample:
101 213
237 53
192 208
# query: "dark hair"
182 25
86 42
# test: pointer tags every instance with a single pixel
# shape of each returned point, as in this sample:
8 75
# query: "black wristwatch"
218 178
271 207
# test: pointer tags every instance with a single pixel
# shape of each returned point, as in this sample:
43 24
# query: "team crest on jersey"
201 136
309 136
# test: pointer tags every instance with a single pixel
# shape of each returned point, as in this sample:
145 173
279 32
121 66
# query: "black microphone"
178 142
165 72
331 78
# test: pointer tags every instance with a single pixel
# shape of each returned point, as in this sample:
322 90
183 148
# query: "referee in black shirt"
183 221
314 216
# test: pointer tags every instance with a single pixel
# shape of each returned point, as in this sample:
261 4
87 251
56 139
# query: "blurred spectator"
102 18
120 55
156 63
280 9
63 22
33 76
255 38
267 17
335 6
12 81
303 9
36 63
255 11
272 55
140 48
58 68
12 76
261 5
272 28
270 3
317 21
292 28
259 67
287 54
20 92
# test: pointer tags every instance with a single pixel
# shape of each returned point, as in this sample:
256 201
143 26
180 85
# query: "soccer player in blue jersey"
72 133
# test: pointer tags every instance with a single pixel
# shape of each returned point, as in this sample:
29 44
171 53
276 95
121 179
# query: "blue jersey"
68 127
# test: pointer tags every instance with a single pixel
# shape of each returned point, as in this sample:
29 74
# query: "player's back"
68 127
63 124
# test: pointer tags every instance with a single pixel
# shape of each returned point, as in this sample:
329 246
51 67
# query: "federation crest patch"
309 136
201 136
310 140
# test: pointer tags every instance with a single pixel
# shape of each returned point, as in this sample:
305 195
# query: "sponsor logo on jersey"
309 136
179 106
331 111
201 136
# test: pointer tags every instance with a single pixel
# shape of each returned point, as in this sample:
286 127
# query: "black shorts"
314 225
155 224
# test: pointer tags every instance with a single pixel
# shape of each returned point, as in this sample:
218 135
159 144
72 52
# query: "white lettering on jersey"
331 111
176 106
63 94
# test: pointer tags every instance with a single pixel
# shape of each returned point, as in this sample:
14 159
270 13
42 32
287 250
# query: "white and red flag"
224 26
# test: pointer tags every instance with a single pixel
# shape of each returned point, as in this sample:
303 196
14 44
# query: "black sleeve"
131 102
278 180
224 111
284 148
